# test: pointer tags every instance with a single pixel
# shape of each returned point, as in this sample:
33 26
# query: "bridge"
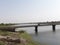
32 24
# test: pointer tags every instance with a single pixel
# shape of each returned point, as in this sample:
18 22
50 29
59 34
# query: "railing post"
36 29
53 27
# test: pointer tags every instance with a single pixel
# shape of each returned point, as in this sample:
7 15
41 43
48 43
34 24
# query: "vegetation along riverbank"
16 38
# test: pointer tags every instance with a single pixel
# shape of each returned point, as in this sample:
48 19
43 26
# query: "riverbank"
6 38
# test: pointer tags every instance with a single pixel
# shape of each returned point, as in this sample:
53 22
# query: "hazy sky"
29 10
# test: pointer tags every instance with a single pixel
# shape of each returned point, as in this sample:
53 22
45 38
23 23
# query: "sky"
21 11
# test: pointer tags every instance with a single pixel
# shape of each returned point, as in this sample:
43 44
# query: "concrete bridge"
33 24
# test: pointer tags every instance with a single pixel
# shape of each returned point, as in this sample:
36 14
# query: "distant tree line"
1 24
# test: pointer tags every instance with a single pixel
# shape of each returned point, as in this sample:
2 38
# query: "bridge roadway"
34 24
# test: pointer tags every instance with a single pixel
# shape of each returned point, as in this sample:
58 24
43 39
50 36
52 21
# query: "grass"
19 35
1 43
28 37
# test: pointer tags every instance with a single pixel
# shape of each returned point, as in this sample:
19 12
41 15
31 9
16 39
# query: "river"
45 35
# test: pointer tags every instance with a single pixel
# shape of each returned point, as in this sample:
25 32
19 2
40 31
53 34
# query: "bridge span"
34 24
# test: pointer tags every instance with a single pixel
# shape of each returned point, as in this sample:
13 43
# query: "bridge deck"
28 25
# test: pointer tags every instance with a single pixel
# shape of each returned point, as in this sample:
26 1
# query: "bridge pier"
53 27
36 29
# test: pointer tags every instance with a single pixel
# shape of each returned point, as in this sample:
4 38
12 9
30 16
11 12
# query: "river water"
45 34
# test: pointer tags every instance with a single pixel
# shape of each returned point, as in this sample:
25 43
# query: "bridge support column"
36 29
53 27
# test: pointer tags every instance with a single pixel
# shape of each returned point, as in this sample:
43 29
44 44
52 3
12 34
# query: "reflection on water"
45 35
49 37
